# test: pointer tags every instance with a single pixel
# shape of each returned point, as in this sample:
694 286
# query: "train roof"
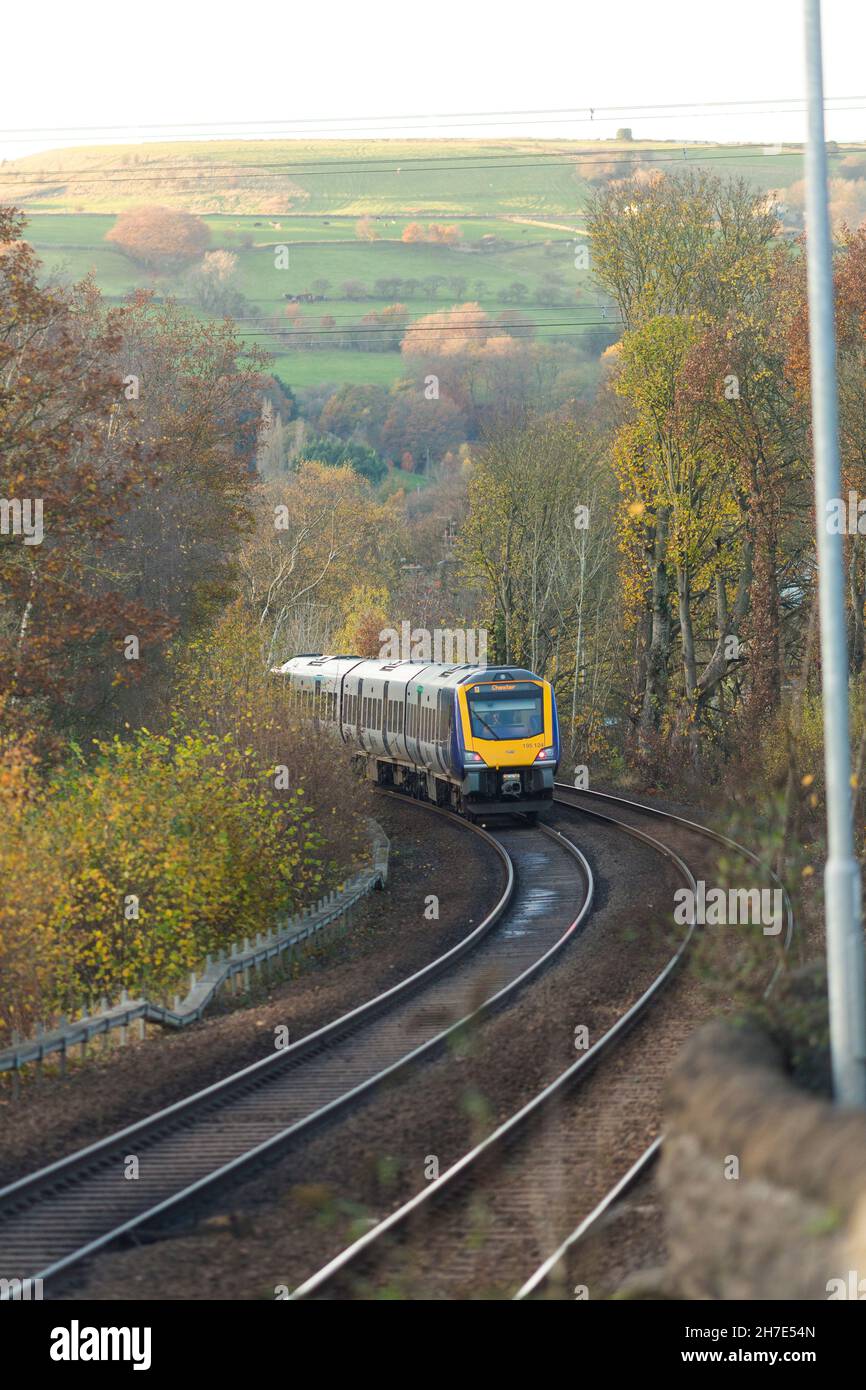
452 673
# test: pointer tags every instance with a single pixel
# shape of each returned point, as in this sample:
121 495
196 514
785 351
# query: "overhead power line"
320 311
587 113
577 326
455 163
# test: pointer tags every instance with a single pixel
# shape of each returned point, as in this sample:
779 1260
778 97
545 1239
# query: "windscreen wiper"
487 726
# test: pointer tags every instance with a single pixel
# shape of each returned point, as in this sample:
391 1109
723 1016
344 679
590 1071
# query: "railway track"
554 1273
57 1217
472 1231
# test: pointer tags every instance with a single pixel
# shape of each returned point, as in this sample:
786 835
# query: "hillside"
517 207
437 178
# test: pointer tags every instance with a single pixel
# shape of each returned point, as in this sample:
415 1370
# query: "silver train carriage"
478 739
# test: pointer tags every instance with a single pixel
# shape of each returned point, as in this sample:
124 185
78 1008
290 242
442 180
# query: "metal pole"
845 953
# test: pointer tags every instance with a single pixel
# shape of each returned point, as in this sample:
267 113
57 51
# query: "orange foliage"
160 238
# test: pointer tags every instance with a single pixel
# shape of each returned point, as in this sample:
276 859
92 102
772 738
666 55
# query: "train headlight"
546 755
473 758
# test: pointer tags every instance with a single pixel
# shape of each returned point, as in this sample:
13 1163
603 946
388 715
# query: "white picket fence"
228 968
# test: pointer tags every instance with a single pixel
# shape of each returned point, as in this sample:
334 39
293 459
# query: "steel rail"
85 1163
651 1154
708 832
589 1223
449 1183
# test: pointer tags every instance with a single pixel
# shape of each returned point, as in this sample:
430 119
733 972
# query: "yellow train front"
478 739
507 742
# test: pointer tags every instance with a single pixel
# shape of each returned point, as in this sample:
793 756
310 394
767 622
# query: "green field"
258 195
400 179
72 245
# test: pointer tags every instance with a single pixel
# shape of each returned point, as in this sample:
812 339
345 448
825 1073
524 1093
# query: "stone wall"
763 1185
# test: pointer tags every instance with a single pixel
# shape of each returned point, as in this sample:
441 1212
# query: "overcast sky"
381 67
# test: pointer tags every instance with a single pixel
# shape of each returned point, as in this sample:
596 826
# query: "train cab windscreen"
510 712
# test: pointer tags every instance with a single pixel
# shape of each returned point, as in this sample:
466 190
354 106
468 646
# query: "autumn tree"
689 260
313 534
160 238
534 488
66 600
677 499
213 284
196 418
443 235
366 616
672 244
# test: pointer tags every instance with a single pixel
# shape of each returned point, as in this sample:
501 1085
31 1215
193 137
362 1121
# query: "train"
479 740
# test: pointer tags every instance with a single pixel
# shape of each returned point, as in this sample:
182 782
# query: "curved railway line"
53 1219
550 1277
486 1197
60 1215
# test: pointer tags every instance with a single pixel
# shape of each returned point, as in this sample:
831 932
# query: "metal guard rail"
286 936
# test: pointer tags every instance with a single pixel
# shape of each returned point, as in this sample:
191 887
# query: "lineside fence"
271 952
